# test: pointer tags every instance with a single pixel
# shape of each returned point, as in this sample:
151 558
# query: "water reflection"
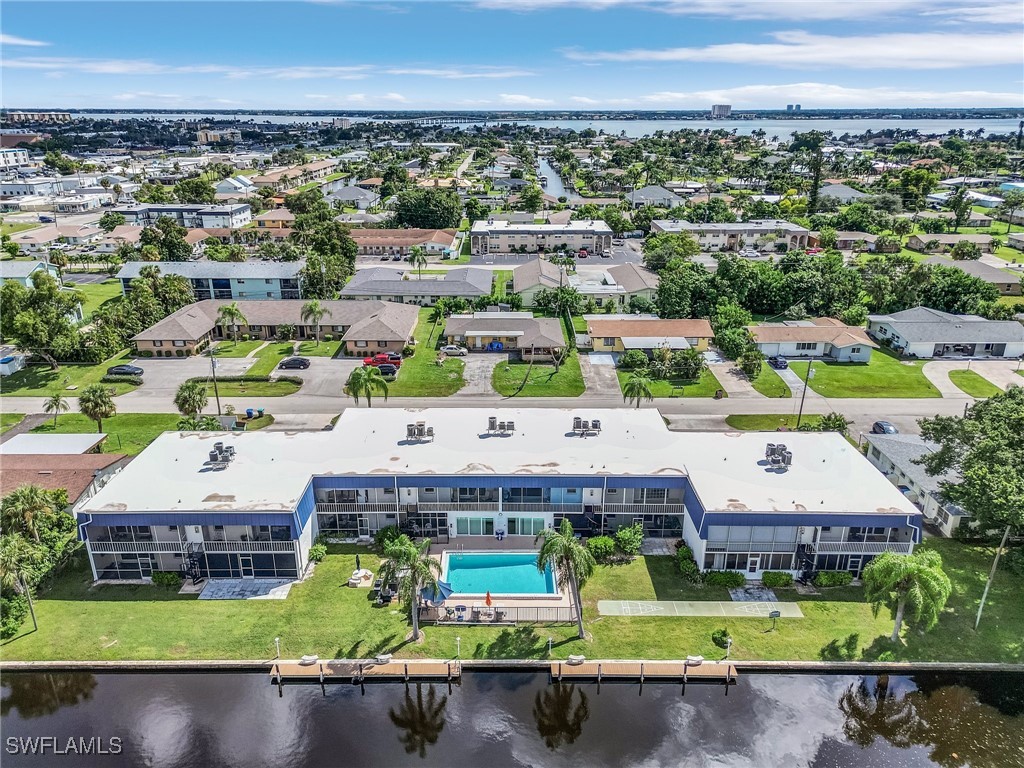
421 720
560 717
43 694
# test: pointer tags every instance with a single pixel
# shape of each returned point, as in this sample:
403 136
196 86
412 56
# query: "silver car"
454 350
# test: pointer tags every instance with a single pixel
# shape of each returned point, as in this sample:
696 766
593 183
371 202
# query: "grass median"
542 380
885 376
706 386
974 384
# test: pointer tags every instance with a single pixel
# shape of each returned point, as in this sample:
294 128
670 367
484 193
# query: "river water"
519 719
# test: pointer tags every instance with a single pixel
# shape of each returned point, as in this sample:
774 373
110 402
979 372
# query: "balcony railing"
644 509
111 547
248 546
334 508
456 506
751 546
542 506
860 547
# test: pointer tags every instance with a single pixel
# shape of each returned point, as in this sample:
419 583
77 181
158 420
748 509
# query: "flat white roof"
51 444
272 469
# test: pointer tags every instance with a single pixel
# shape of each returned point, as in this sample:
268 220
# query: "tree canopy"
428 208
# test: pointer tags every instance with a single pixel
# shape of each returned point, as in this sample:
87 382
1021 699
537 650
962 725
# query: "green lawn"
543 382
770 384
273 388
705 386
885 376
767 422
269 357
9 420
421 376
579 324
10 228
126 432
95 295
230 348
325 348
40 381
501 278
974 384
323 616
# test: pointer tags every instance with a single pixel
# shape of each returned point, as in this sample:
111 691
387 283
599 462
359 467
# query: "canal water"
516 719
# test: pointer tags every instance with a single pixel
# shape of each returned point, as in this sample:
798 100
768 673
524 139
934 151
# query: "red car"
384 358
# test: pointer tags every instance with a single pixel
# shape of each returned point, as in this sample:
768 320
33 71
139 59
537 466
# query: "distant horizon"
739 112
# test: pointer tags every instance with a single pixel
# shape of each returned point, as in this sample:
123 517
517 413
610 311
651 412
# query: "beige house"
534 337
400 242
619 334
819 337
946 242
498 236
364 326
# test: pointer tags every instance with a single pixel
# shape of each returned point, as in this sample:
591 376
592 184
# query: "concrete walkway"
599 377
664 608
796 384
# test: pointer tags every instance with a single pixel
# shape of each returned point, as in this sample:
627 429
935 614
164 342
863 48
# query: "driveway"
477 373
733 380
599 375
796 384
163 377
326 376
1002 373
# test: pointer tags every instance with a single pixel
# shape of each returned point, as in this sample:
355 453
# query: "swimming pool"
500 573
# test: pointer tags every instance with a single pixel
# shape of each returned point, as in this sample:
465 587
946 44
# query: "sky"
511 54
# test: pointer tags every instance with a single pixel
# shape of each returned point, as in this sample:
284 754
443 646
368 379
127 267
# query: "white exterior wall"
693 540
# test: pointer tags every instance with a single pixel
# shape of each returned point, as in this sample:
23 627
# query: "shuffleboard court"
697 608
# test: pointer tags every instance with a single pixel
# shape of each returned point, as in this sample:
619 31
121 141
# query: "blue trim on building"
305 509
802 518
693 506
334 482
504 481
632 481
191 518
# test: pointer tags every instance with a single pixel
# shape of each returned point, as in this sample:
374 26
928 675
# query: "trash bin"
719 394
248 413
260 412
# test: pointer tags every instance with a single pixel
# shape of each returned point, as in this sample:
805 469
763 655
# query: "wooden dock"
675 671
364 671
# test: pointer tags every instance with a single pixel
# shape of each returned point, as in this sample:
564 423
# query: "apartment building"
498 236
228 279
768 233
13 158
250 504
189 215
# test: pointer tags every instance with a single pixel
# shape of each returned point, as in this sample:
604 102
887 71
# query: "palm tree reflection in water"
422 721
559 718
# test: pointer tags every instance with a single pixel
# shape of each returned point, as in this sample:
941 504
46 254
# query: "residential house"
495 236
188 215
80 474
897 456
24 272
1006 282
275 492
659 197
536 275
42 239
615 285
118 236
924 332
400 242
534 338
974 219
1015 240
277 218
234 188
735 236
975 198
362 219
282 179
648 334
228 279
363 326
386 284
945 242
842 193
354 197
864 241
823 337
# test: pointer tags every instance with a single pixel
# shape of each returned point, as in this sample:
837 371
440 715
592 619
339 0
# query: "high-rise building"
721 110
789 107
796 107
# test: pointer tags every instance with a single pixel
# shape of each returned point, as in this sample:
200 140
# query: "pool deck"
486 543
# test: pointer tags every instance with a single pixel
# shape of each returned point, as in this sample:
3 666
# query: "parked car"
454 350
385 257
384 358
750 253
778 362
124 370
618 242
294 362
396 257
387 369
815 250
47 219
884 428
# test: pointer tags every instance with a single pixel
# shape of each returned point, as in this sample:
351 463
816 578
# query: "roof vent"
777 455
585 428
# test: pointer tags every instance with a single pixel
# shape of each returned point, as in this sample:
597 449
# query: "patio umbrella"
487 599
439 594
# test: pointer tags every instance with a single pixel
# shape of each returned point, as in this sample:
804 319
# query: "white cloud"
810 95
993 13
799 10
798 49
461 74
521 100
396 97
14 40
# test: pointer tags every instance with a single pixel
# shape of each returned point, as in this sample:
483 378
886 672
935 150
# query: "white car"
454 350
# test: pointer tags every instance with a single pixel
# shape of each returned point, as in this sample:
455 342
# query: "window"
158 343
268 282
875 453
806 345
256 328
362 344
179 343
609 341
382 344
855 351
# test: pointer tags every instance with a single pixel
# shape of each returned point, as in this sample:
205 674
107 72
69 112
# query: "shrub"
109 379
328 337
774 579
13 609
632 360
601 547
408 350
146 353
179 352
886 656
317 552
724 578
245 337
720 637
167 579
833 579
385 536
687 565
629 539
1013 560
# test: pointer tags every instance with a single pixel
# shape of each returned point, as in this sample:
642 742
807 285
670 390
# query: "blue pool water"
500 573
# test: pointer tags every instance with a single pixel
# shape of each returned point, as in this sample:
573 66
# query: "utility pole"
808 377
213 370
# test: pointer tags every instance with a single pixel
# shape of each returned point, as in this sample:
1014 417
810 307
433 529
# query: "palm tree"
421 720
97 403
559 718
191 398
312 313
18 559
572 561
24 507
56 404
363 382
637 388
231 314
418 258
415 570
914 581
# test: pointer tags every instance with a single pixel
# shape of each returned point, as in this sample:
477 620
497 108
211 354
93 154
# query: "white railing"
455 506
333 508
541 506
110 547
644 509
248 546
751 546
860 547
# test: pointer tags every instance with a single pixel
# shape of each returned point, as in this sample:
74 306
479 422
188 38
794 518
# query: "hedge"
253 379
725 578
687 565
601 547
117 379
167 579
833 579
774 579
